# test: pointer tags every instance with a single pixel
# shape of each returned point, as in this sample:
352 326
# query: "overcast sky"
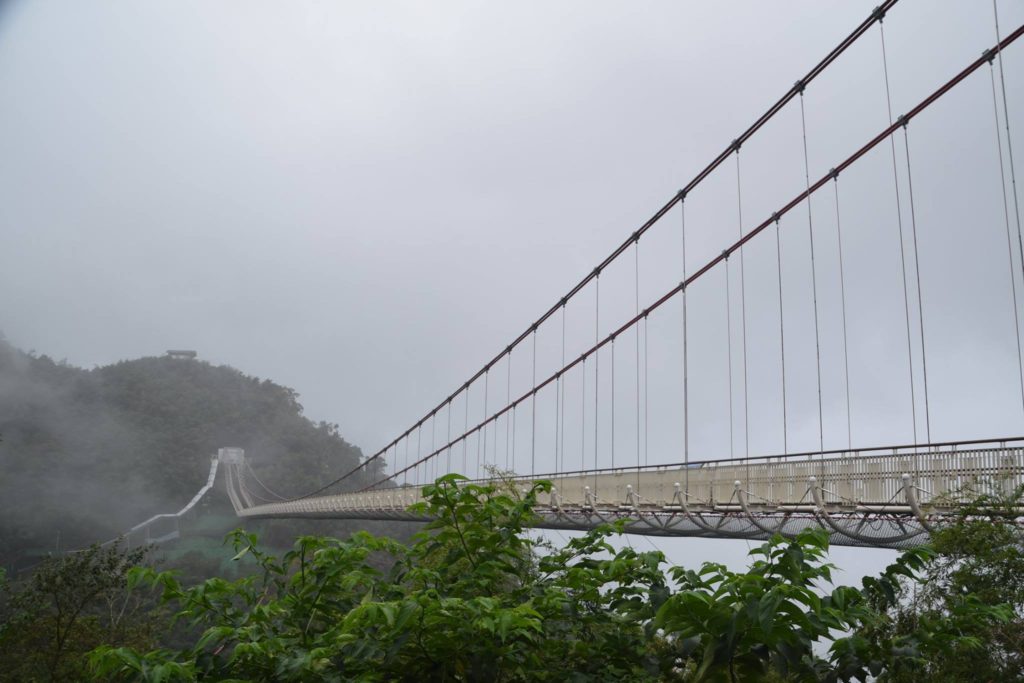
367 201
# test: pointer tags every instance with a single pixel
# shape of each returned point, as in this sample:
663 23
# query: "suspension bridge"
587 424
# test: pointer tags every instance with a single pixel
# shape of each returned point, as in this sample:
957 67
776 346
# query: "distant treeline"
86 453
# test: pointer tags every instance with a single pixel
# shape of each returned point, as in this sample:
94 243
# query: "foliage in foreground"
474 597
68 607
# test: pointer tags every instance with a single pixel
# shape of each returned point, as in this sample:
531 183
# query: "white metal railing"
851 480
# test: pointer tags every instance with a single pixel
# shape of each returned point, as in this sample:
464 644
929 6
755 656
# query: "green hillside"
87 453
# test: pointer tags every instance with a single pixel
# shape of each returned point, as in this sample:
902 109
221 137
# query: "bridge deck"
879 500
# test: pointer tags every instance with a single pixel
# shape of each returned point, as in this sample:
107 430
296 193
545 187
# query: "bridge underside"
889 500
846 529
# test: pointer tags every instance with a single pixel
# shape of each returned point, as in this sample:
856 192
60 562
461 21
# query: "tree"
475 597
467 600
962 617
67 607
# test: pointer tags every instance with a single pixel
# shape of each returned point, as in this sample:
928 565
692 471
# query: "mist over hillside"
86 453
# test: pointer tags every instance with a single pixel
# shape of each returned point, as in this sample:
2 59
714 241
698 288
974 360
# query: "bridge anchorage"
552 404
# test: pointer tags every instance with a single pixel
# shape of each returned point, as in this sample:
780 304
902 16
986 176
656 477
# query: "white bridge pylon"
884 498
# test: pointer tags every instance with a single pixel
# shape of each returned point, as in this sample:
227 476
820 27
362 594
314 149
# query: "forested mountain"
86 453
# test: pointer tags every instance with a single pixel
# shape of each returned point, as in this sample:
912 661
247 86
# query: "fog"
367 202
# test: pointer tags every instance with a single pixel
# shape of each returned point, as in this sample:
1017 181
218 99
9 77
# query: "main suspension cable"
783 210
260 482
876 16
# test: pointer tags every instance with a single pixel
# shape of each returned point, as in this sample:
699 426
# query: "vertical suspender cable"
899 221
686 374
515 410
814 277
433 440
647 404
728 350
842 296
613 401
561 402
415 470
405 468
558 421
1009 240
483 430
583 415
1009 140
743 311
782 338
419 448
636 273
465 430
597 369
449 440
508 400
917 272
533 407
431 464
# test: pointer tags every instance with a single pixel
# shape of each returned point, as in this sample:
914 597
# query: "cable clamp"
597 271
902 121
647 312
878 13
775 216
725 254
682 195
636 236
833 174
533 328
682 286
564 301
736 145
799 86
989 55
